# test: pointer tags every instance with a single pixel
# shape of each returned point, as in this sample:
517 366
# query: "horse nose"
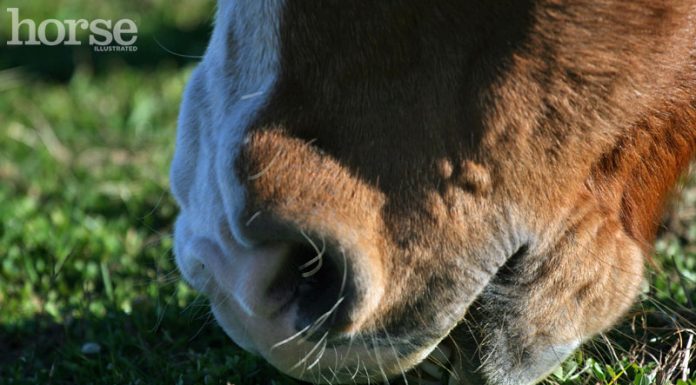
294 268
324 287
303 278
328 221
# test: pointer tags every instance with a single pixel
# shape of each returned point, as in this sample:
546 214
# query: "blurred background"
89 293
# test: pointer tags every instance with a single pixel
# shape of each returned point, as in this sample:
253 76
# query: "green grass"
85 223
85 245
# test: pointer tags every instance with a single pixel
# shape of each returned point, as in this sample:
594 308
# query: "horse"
358 177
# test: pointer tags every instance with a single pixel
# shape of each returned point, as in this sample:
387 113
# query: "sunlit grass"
85 223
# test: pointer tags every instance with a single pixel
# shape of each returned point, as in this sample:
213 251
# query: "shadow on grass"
144 347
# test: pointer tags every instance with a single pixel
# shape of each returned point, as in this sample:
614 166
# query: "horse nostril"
317 281
323 293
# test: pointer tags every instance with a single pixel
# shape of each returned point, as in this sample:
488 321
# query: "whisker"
203 326
378 359
292 337
357 369
169 51
319 259
251 95
319 356
265 169
199 295
319 322
252 218
306 357
396 354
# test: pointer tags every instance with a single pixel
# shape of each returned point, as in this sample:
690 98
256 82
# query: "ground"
89 293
